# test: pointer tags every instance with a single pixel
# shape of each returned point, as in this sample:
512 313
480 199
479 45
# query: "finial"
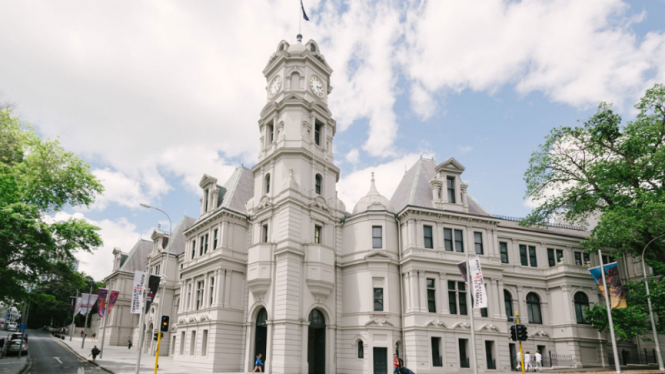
299 37
159 227
372 176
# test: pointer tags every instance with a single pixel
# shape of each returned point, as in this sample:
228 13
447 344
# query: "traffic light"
522 334
513 333
165 324
156 336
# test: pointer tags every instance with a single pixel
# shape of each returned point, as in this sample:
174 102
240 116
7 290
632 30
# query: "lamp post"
165 278
653 322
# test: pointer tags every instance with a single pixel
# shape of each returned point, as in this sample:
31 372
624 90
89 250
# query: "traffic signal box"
165 324
518 333
156 336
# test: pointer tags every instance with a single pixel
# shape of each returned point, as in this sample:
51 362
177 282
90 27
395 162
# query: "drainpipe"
401 287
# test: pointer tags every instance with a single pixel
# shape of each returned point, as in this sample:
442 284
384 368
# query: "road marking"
57 359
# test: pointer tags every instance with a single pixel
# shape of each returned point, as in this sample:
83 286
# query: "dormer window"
451 189
312 47
317 184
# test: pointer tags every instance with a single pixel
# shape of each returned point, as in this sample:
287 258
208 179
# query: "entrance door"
380 360
316 343
513 356
261 334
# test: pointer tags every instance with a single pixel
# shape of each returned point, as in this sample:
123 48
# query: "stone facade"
275 264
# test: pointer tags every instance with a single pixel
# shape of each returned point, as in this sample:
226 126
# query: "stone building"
275 264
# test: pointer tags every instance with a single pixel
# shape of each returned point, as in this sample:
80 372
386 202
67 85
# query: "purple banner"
101 301
113 297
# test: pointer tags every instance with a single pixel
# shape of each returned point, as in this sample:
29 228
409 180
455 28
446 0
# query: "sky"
153 94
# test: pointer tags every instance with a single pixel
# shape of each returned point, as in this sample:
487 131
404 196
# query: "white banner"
479 293
87 302
78 306
137 291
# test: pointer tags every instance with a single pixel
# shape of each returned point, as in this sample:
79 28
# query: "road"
51 357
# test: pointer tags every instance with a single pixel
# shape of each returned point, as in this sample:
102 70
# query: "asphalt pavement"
51 357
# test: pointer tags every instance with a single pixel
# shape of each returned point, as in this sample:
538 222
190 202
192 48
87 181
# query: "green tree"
38 178
606 170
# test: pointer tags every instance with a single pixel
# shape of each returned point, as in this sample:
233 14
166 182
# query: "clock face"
275 86
316 86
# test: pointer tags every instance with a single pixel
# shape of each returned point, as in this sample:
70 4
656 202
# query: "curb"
29 362
85 358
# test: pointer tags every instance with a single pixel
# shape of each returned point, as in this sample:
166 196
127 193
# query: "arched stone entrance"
261 334
316 343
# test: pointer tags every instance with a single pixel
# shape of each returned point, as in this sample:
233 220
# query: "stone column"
502 300
227 287
443 295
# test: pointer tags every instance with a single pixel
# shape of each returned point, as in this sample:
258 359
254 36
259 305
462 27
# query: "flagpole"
71 333
141 334
85 325
470 303
105 311
609 313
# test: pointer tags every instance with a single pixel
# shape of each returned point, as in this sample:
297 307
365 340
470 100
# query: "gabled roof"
137 256
239 189
415 187
176 244
450 164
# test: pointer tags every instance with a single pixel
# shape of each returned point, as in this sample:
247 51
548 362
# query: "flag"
153 285
462 269
87 302
477 284
304 15
616 291
101 301
137 292
78 306
113 297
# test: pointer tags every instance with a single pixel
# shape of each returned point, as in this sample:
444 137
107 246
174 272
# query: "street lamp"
653 323
164 277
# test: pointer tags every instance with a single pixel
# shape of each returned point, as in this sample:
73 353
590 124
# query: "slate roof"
137 256
415 188
177 244
238 189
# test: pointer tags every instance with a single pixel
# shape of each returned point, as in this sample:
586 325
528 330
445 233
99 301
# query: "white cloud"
120 189
464 148
423 103
353 156
115 233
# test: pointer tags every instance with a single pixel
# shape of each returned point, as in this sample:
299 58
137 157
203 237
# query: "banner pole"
106 308
87 313
609 313
141 333
71 333
469 303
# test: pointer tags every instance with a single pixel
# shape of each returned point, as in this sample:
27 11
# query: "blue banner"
613 279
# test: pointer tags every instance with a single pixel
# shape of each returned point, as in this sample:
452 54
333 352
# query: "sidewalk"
12 364
121 360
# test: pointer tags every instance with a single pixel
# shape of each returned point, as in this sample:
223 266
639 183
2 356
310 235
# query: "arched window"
581 302
361 349
318 184
508 301
316 318
267 184
533 308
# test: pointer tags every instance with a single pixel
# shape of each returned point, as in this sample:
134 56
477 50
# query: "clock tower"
295 215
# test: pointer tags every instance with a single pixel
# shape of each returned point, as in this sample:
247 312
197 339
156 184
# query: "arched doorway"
261 334
316 343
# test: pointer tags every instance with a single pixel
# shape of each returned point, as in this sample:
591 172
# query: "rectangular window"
271 134
214 240
448 239
478 239
587 259
437 361
532 257
524 257
199 295
157 269
451 189
265 233
607 259
204 343
461 293
212 289
317 234
377 237
427 233
459 240
452 297
193 248
201 246
182 343
431 295
559 255
206 245
192 345
503 248
317 134
550 257
489 355
205 200
463 356
378 299
578 258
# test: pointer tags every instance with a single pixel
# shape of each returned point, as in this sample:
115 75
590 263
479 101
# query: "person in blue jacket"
258 365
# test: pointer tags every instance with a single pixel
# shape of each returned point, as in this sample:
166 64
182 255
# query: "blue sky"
154 94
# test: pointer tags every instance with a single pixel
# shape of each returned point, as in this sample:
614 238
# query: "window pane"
378 299
451 190
503 247
459 240
377 237
462 303
431 301
532 257
430 283
478 239
427 233
451 285
524 259
559 255
578 258
483 312
586 258
452 303
448 239
550 257
361 350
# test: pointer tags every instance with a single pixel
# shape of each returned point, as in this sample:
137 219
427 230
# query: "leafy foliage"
38 178
607 171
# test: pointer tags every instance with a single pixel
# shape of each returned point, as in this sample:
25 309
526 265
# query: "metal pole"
165 277
609 313
159 341
87 313
71 333
141 333
469 303
25 322
106 309
653 322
